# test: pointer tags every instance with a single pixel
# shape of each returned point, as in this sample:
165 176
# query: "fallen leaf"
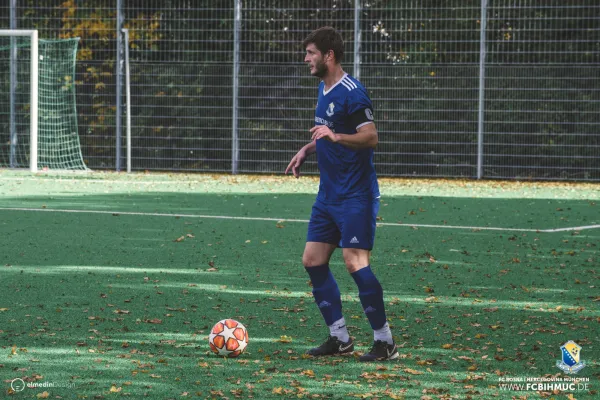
412 371
285 339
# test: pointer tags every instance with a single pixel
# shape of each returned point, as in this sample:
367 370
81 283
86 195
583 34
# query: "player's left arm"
365 136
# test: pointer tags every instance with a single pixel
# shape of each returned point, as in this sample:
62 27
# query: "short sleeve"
359 108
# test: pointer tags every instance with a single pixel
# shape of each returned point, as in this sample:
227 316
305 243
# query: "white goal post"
33 146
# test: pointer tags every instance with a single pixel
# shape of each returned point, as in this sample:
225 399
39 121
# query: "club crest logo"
329 111
571 362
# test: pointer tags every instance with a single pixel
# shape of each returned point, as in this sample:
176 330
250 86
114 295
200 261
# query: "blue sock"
326 292
371 296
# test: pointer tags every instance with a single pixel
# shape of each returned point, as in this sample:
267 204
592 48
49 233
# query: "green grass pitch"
111 283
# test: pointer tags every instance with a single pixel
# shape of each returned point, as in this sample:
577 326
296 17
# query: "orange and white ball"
228 338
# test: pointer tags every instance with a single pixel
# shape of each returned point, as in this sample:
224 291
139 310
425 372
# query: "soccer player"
345 210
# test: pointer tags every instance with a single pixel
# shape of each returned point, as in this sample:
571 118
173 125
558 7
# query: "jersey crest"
329 111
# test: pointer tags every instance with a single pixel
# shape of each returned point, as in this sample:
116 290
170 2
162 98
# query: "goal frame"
34 92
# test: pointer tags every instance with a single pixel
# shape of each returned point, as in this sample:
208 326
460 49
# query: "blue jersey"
345 172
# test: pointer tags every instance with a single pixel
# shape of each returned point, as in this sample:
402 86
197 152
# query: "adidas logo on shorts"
354 240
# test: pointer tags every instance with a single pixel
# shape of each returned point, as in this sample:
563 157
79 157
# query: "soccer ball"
228 338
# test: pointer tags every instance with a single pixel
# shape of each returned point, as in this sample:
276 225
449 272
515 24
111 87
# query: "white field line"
154 214
577 228
475 228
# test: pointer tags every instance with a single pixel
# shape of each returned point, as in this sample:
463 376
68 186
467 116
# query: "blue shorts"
350 224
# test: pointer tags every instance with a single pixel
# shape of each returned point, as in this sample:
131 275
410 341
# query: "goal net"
38 118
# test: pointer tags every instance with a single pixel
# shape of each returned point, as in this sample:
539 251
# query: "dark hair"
325 39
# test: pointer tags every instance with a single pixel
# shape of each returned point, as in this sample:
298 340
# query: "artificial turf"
119 302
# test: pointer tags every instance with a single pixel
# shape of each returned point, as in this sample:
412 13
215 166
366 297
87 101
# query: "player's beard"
320 69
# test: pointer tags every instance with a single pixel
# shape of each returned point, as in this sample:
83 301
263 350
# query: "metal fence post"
480 119
356 72
235 152
13 86
119 72
127 99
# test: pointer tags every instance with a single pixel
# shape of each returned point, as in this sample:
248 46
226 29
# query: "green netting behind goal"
58 137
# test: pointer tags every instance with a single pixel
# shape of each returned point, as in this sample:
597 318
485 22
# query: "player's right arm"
300 157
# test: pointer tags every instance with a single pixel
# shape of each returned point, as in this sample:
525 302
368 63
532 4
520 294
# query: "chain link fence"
221 85
542 90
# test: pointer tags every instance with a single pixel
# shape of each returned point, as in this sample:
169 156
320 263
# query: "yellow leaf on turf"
285 339
412 371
